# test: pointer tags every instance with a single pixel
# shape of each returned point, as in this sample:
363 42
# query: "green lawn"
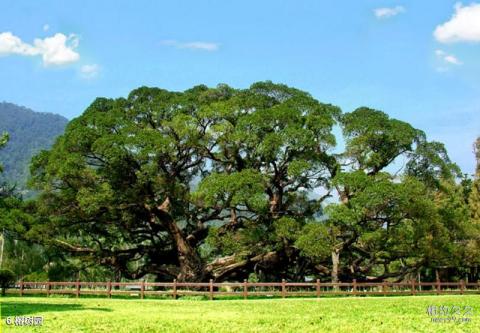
372 314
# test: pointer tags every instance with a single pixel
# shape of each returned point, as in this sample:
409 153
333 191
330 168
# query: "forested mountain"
29 132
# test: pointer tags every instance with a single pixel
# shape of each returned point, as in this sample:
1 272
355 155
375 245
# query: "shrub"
36 277
7 279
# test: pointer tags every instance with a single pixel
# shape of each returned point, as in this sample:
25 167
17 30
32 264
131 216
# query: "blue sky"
419 61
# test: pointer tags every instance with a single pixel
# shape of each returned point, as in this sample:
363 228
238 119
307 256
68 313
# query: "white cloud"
46 27
55 50
11 44
463 26
89 71
387 12
203 46
58 49
447 58
452 59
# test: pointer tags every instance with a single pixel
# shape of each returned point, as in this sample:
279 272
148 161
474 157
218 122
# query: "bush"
7 279
36 277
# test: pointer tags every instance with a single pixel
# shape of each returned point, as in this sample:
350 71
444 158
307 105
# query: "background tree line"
28 133
255 183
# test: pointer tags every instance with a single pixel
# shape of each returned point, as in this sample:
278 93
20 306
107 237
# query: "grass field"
372 314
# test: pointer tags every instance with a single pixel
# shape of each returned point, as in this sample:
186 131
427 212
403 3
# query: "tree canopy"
223 183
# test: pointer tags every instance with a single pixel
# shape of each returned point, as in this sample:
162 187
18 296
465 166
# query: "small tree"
474 200
3 141
7 279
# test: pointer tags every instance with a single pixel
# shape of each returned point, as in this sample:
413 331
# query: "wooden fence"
243 289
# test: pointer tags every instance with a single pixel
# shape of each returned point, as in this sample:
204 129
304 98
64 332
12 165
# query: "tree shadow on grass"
12 308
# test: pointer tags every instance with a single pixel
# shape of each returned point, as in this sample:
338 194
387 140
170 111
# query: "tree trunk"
276 204
191 268
2 237
222 269
233 216
335 264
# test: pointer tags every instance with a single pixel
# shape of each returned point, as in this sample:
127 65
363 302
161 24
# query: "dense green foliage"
29 132
230 184
19 256
7 279
365 314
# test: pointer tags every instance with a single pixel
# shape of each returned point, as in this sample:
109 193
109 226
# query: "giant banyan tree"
219 183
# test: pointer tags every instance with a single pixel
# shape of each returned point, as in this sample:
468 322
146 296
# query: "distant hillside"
29 133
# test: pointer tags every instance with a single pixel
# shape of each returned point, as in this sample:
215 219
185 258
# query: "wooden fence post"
211 289
48 288
354 287
245 289
77 288
462 286
109 289
142 290
174 288
439 287
318 287
284 289
384 288
414 291
21 287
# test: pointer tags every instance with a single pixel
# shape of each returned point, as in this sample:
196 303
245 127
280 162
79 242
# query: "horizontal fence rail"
243 289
